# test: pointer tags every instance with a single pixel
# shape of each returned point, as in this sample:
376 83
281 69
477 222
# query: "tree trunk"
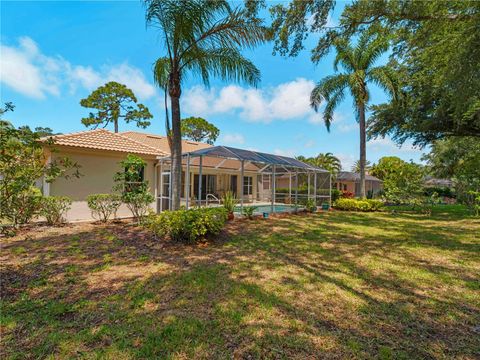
116 125
176 148
363 150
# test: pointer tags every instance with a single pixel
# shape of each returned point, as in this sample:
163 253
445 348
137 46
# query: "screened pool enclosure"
271 183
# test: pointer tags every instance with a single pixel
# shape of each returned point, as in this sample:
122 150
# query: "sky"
53 54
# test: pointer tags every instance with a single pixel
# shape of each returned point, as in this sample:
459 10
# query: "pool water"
260 209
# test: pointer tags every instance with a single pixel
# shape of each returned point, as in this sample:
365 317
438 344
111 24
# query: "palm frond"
226 63
386 78
344 56
161 71
326 88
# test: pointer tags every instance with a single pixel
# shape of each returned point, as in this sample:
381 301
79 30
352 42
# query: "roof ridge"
140 143
72 134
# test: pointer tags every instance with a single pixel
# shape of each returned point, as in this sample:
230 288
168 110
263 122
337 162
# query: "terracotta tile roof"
102 139
161 142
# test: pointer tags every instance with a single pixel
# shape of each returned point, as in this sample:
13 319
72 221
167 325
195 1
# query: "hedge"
358 204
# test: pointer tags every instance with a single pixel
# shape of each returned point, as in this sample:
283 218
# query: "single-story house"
350 181
213 170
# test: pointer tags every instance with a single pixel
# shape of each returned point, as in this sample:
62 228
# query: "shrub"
358 204
22 207
103 206
53 208
335 194
138 203
310 205
441 191
248 211
188 225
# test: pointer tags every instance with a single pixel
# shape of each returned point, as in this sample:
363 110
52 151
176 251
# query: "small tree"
402 181
114 101
22 163
199 129
133 187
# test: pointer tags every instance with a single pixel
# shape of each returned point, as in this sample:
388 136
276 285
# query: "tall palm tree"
203 38
357 62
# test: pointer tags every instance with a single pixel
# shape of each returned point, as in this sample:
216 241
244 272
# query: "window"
266 182
247 185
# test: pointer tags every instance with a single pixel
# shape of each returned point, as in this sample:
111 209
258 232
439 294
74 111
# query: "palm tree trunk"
363 150
176 151
116 126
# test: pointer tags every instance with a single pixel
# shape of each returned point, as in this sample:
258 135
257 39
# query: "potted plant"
229 201
325 206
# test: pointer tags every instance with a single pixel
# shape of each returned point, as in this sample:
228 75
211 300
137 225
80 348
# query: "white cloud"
309 144
285 152
317 118
26 70
347 127
286 101
388 146
233 139
347 161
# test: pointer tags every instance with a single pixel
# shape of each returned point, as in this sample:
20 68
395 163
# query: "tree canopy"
199 129
435 52
113 102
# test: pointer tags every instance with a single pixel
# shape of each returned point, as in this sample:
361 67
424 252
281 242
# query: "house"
350 181
213 170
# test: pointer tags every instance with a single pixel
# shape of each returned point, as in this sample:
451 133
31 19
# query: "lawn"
329 285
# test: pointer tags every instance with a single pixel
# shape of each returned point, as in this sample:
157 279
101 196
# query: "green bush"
336 194
358 204
188 226
53 208
103 206
310 205
248 211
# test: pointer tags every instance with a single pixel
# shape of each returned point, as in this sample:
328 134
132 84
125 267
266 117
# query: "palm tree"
356 166
202 38
357 61
329 162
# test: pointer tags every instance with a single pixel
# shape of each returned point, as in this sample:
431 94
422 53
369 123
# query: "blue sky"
55 53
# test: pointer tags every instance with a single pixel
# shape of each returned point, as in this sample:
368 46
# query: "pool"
260 209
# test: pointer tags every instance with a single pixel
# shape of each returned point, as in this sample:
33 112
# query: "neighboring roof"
227 152
351 176
161 142
430 181
102 139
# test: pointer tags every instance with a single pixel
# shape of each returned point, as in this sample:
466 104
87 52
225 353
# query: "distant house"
434 182
350 181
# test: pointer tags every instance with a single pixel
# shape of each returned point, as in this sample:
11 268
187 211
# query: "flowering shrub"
347 194
188 225
358 204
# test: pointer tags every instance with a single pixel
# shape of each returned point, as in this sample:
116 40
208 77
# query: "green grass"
333 285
